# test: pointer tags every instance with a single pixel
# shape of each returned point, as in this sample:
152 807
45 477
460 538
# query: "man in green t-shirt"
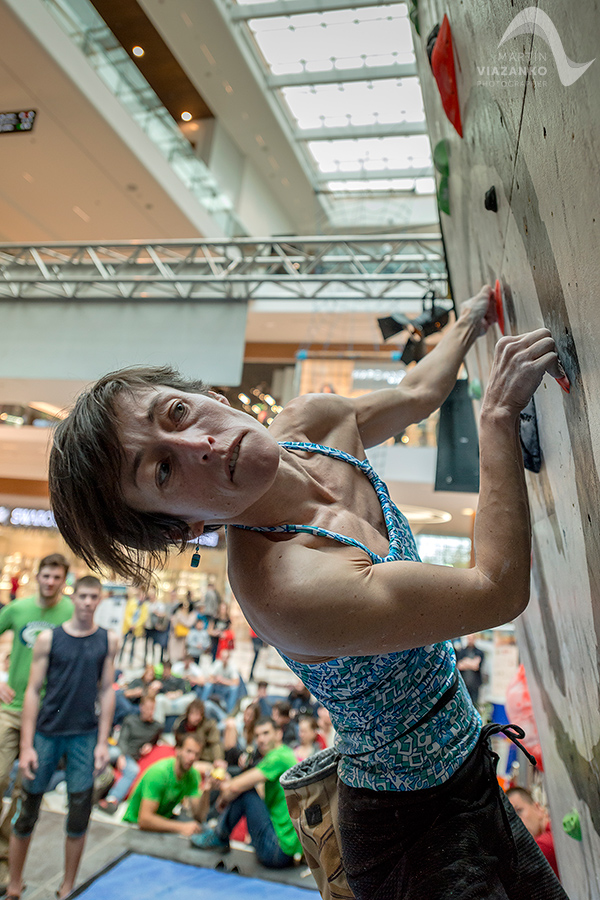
271 831
26 619
162 787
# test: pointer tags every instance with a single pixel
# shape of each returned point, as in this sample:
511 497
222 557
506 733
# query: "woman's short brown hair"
85 480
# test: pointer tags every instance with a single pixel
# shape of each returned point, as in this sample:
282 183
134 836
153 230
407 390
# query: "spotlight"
186 116
138 51
391 325
413 351
432 319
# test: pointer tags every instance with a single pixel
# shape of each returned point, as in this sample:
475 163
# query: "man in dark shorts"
76 663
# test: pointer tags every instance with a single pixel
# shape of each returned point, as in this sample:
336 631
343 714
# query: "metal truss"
385 267
296 7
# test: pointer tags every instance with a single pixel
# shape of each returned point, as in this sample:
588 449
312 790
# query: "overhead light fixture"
432 319
391 325
138 51
186 116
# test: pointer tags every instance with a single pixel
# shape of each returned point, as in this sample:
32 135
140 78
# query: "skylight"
387 101
372 154
340 39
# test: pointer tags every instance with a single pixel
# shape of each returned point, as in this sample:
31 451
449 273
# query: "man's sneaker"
210 840
108 806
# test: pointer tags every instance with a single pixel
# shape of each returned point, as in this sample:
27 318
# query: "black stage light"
413 351
432 319
391 325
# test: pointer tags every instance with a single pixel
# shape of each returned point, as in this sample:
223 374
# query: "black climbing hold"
491 201
431 39
530 439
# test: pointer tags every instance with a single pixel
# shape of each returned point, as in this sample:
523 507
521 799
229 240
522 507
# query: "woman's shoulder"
313 417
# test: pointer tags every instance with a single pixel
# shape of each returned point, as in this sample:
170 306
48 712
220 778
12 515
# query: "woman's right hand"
518 368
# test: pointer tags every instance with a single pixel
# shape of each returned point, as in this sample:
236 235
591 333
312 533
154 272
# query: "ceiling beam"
342 76
297 7
364 175
345 132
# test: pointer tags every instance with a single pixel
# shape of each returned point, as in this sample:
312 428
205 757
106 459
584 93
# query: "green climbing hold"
441 158
443 195
475 391
572 825
414 18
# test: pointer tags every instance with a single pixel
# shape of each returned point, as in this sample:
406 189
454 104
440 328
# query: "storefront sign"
23 517
16 121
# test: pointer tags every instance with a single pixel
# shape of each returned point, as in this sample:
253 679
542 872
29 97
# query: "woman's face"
306 733
194 717
193 456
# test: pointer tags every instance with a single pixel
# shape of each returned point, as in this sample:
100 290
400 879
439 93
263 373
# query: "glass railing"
82 23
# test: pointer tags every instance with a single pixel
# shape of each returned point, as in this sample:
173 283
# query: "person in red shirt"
536 820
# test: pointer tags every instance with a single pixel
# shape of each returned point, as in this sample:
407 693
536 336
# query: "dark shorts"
459 841
78 750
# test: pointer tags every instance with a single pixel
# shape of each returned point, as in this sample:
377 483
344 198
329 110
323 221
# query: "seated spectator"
222 682
173 697
261 697
139 733
147 683
281 716
198 640
238 739
301 702
165 785
271 831
308 744
195 723
536 820
326 729
189 670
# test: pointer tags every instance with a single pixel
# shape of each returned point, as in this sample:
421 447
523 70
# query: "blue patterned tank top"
377 703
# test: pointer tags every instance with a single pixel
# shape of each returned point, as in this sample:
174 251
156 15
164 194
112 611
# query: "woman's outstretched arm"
382 414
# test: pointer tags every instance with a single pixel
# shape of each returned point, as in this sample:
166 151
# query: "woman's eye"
178 411
163 471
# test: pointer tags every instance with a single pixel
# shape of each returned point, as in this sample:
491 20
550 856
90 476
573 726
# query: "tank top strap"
396 527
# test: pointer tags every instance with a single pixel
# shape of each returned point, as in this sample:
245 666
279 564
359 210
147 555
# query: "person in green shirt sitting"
162 787
271 831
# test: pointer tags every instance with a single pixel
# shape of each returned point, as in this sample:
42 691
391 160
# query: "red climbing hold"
564 383
442 64
499 304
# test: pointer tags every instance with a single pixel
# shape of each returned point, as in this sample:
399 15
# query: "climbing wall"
530 114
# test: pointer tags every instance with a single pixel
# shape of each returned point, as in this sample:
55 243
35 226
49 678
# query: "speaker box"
457 466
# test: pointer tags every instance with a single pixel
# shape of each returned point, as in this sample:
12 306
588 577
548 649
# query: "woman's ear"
196 529
220 398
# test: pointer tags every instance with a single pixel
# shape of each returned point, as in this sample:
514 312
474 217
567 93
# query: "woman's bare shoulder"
313 417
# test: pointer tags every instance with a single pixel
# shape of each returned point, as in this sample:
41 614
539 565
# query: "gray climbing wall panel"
537 141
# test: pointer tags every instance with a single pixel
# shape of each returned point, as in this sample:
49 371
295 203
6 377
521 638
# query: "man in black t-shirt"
469 661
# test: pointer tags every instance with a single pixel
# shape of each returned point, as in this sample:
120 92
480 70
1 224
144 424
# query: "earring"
195 561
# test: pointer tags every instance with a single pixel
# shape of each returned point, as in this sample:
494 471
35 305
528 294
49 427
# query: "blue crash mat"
139 877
